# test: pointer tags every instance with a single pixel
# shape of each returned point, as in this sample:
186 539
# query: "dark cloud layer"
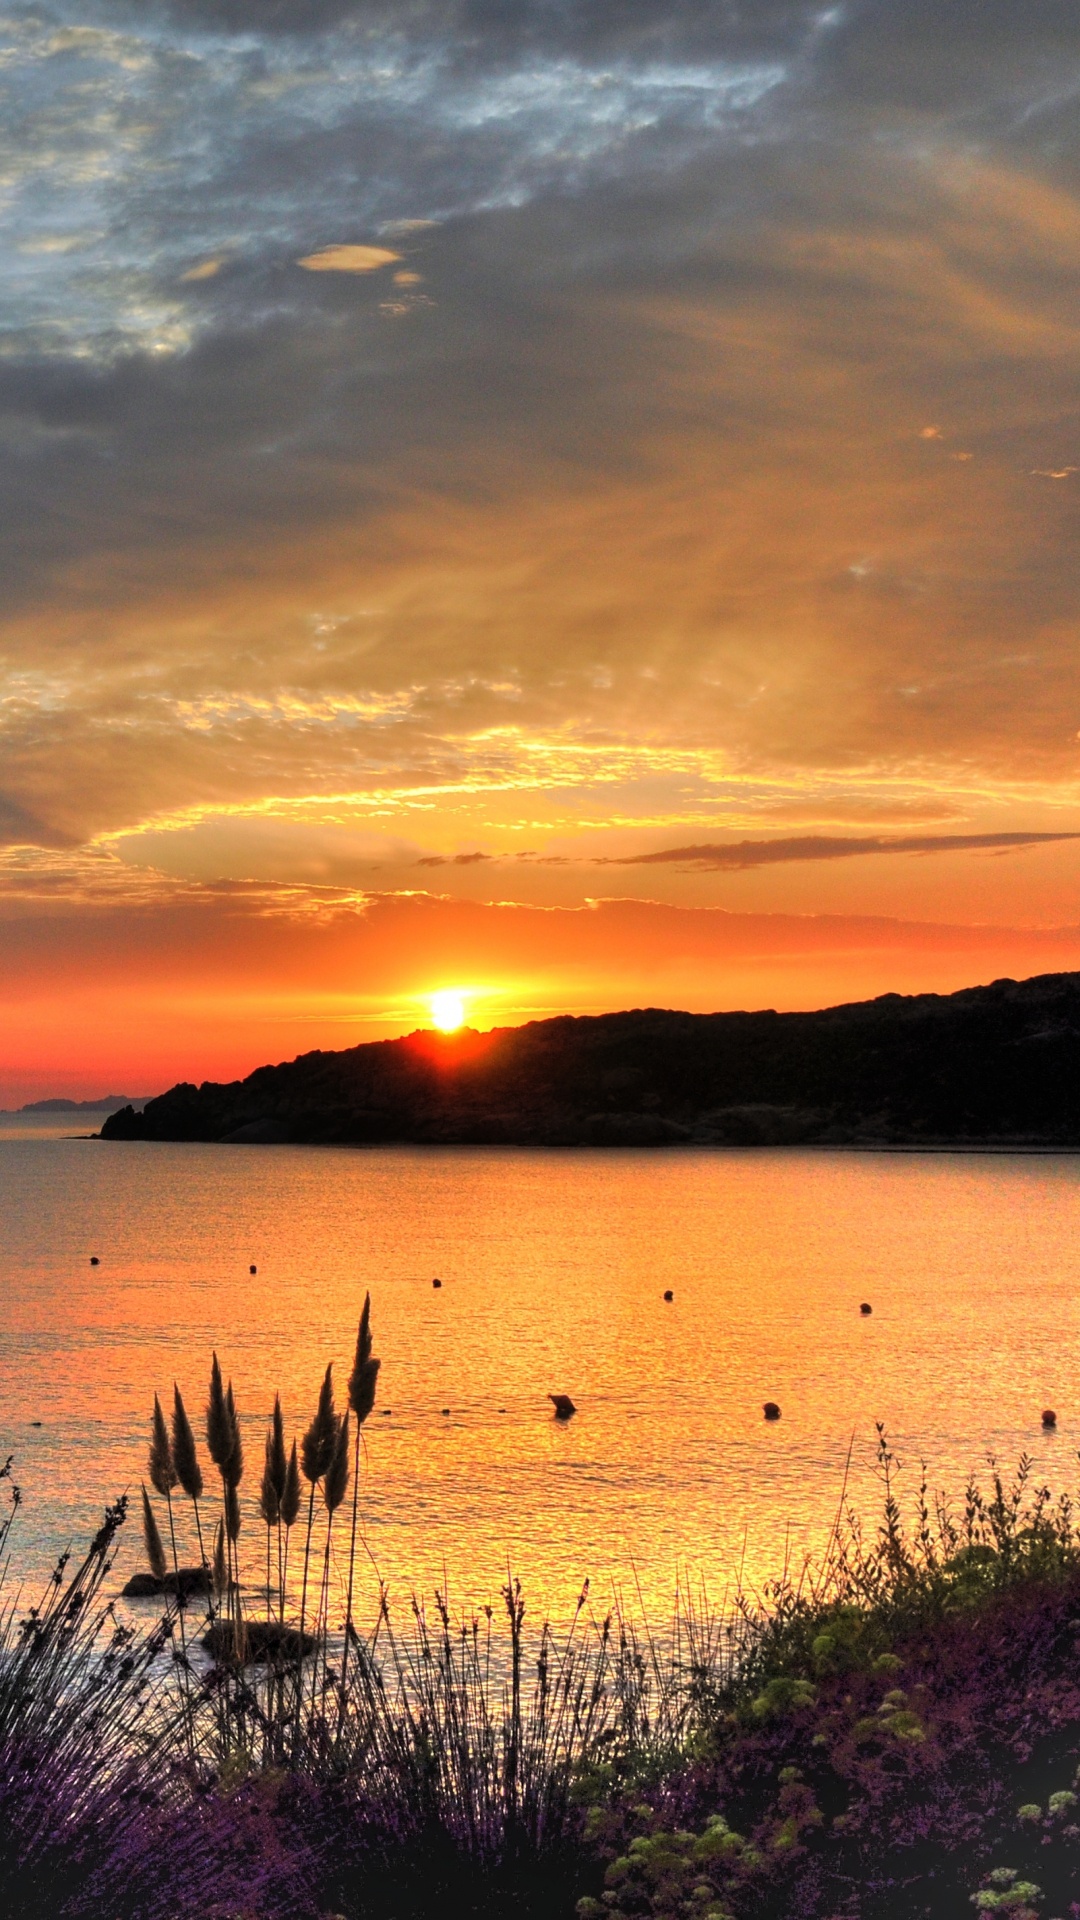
736 856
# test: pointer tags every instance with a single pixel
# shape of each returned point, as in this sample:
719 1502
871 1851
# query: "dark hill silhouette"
996 1065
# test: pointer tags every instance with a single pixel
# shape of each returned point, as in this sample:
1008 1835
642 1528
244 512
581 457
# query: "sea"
554 1267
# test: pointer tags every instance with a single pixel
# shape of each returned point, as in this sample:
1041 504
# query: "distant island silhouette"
110 1104
994 1066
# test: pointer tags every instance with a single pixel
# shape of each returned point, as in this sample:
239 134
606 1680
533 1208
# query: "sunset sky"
575 501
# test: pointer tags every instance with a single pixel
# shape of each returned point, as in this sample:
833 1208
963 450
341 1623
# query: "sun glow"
448 1010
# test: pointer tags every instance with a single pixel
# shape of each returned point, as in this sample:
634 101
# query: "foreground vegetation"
895 1732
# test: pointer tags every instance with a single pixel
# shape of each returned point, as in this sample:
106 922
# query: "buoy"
446 1409
669 1295
436 1283
562 1404
386 1412
1049 1418
94 1261
866 1307
771 1410
253 1269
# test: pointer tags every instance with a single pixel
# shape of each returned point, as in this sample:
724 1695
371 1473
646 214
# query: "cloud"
347 259
736 856
452 860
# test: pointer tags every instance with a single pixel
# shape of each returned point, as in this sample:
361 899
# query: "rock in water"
185 1582
260 1640
771 1410
562 1404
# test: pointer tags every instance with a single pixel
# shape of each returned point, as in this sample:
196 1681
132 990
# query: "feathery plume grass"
233 1470
290 1498
184 1455
163 1474
155 1549
365 1368
218 1431
276 1460
269 1498
362 1382
336 1480
320 1439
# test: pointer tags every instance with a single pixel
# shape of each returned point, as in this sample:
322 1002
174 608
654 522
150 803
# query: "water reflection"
554 1270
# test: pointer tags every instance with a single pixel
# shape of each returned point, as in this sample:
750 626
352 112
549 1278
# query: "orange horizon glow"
106 1004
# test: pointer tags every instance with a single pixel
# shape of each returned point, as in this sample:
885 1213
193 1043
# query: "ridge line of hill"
995 1065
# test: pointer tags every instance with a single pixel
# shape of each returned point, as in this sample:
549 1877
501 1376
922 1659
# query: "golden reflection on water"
554 1267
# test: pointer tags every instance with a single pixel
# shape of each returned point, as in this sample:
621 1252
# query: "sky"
571 500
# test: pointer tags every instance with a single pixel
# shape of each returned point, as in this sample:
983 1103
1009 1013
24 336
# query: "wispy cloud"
735 856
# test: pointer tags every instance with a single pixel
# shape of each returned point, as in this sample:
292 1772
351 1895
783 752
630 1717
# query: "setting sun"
448 1010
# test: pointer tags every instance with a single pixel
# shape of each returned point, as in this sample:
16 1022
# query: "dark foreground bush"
903 1739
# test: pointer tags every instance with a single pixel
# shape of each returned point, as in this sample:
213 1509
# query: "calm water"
553 1268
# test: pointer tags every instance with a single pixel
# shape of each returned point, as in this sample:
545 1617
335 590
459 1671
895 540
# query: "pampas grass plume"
365 1369
290 1499
337 1473
269 1497
185 1458
155 1551
232 1510
321 1437
218 1437
160 1463
279 1465
233 1470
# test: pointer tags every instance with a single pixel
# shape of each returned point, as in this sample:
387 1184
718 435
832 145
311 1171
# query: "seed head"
365 1368
185 1458
218 1437
155 1552
162 1473
290 1499
234 1469
321 1437
277 1449
337 1473
269 1500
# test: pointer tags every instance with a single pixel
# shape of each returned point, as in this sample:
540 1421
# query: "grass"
894 1731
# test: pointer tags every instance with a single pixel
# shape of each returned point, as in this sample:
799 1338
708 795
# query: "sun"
448 1010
